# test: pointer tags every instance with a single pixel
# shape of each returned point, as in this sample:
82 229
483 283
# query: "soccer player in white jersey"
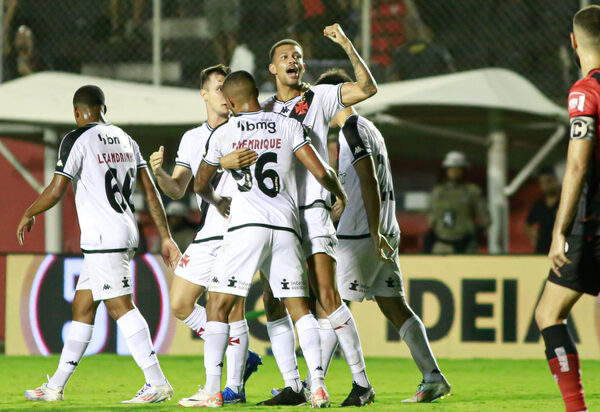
194 268
263 230
315 107
369 236
103 163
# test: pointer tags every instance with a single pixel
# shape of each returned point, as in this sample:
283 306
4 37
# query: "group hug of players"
269 198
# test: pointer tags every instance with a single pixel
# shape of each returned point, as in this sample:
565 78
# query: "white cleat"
430 391
44 393
152 394
320 399
203 400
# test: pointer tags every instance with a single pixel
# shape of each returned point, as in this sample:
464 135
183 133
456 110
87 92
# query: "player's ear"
573 41
104 109
272 69
203 93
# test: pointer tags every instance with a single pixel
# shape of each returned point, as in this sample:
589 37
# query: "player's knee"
330 300
546 317
181 310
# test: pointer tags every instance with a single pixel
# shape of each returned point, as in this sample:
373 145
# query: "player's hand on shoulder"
170 252
223 206
238 159
383 250
157 159
26 222
335 33
557 253
338 207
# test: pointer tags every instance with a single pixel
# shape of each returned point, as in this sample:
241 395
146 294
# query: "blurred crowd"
409 38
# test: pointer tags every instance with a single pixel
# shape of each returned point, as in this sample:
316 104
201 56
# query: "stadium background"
470 309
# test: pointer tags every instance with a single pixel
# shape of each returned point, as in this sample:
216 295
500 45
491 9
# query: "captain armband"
583 127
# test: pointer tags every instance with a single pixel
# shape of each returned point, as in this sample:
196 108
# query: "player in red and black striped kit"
575 249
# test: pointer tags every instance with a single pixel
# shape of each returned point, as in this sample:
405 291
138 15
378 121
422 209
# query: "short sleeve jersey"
584 107
360 139
266 193
315 109
102 161
191 149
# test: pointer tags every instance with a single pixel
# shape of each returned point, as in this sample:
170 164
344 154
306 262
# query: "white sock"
308 336
216 338
78 338
134 328
344 327
283 345
197 320
329 342
236 353
413 333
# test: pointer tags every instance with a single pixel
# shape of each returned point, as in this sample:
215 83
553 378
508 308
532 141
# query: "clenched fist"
335 33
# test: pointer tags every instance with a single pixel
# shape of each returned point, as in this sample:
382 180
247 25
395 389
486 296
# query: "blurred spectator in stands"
10 6
307 20
420 55
27 59
117 27
540 220
223 18
182 231
458 211
387 32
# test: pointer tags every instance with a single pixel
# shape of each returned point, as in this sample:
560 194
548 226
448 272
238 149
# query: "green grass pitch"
478 385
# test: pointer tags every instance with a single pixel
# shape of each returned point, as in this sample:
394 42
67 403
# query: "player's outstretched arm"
239 159
169 250
174 186
46 200
578 156
324 174
203 187
365 85
369 189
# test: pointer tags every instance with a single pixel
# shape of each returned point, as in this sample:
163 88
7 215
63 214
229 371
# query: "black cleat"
359 396
286 397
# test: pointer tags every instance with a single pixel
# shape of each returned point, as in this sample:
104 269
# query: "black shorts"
583 275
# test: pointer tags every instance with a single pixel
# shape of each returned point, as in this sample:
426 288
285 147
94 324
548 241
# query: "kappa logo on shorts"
185 259
285 285
125 282
390 282
354 285
215 279
231 282
106 286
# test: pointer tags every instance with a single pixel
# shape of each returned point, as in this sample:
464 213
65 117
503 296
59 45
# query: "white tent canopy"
497 89
45 98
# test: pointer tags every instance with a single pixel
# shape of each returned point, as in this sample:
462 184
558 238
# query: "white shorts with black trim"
106 273
318 233
196 263
276 252
361 274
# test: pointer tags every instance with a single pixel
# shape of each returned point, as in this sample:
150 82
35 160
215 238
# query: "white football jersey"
358 139
266 193
314 109
191 149
102 160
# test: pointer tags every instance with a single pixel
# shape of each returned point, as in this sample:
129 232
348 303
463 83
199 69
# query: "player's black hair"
334 76
282 43
242 82
206 73
89 95
588 19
